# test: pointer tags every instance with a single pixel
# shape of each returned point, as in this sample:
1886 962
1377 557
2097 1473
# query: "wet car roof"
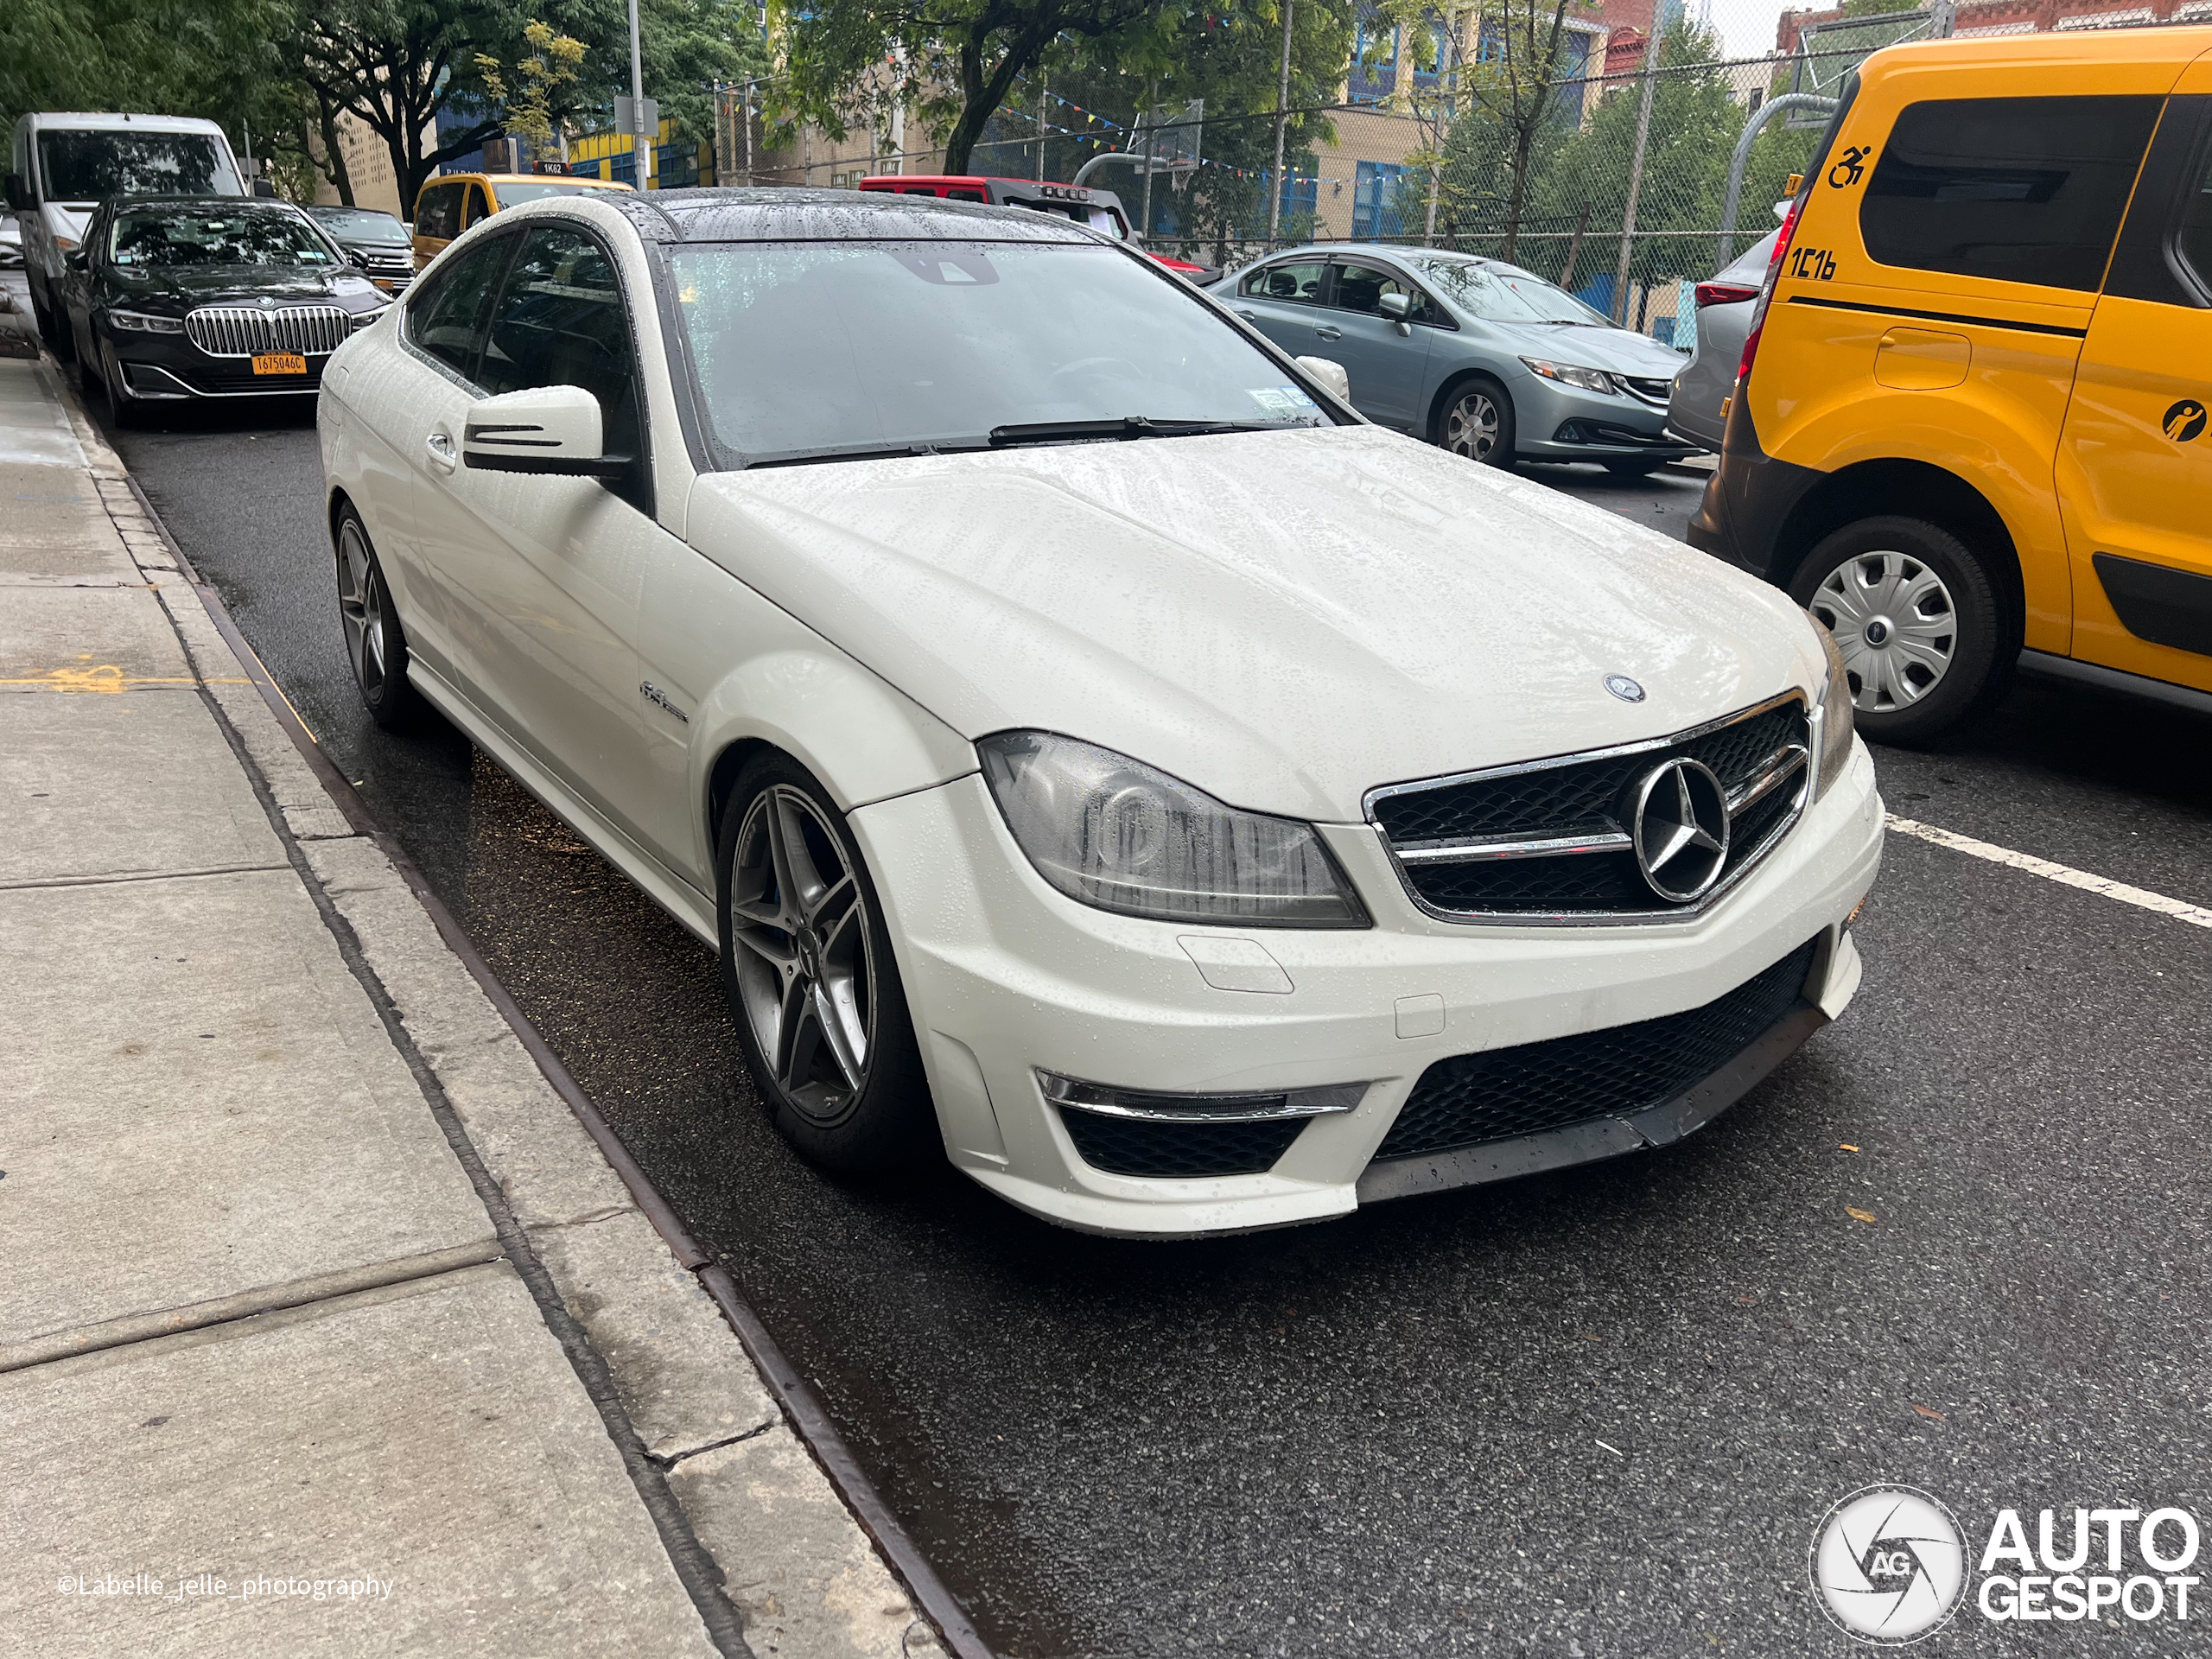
787 215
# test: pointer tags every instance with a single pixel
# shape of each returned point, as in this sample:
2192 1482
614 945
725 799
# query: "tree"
539 78
1694 123
1231 57
954 60
1515 86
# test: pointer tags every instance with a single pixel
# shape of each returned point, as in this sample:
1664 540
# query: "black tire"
53 327
1918 621
1448 430
122 408
376 644
1633 468
815 953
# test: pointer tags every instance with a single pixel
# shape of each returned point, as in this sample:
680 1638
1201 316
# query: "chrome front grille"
1652 389
1551 840
247 330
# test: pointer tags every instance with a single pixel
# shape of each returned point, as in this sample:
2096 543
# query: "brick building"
2024 17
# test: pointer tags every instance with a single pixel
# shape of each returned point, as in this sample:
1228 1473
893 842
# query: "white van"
63 166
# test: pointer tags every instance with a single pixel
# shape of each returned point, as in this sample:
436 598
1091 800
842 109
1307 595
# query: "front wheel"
1638 468
1917 618
807 965
1477 421
375 643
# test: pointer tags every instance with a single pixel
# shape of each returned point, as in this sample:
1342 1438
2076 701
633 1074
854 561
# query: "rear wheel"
53 326
807 965
1475 420
1917 618
375 643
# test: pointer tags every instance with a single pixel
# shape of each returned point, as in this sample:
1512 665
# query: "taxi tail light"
1766 293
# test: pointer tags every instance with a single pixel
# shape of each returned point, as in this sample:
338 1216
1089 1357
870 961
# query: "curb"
796 1397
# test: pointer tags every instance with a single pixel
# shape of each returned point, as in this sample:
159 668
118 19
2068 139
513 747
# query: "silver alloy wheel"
363 607
1470 428
1894 622
805 968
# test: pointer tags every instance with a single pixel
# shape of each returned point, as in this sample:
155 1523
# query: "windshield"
808 349
1506 294
93 165
513 195
363 224
213 236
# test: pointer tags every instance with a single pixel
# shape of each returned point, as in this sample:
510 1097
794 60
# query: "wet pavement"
1592 1413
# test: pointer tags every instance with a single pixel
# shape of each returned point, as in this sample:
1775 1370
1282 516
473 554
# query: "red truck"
1100 209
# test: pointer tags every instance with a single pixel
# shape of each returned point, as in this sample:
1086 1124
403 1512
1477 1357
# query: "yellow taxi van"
1968 431
451 202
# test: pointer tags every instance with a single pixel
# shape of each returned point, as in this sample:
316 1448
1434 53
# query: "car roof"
581 180
227 203
39 120
769 214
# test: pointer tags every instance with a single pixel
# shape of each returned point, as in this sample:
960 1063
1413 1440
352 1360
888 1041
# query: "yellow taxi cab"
1969 430
451 202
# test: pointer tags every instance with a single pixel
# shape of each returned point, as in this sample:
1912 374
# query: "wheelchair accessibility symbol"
1847 172
2184 420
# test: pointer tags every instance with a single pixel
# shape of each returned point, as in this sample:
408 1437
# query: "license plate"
280 362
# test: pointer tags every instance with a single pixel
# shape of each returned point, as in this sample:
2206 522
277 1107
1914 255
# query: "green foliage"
526 91
1231 57
953 61
687 46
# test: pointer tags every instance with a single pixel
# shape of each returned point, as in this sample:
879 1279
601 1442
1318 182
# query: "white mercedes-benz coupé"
1089 743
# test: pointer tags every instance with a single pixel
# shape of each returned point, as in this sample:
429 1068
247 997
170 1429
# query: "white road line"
2195 915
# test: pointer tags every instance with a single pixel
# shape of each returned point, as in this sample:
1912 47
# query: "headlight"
1568 375
1111 832
1836 719
141 322
363 319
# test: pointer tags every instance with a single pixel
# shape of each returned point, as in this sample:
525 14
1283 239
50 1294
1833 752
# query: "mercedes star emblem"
1681 830
1623 688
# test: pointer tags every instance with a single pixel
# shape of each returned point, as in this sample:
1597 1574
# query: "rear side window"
2017 189
1300 283
479 205
448 321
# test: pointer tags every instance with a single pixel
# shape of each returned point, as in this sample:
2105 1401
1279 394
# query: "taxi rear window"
2017 189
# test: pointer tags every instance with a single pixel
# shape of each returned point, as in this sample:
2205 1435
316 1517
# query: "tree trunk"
1524 142
334 154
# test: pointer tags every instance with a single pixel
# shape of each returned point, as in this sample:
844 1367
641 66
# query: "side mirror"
263 187
547 430
1399 308
18 192
75 259
355 258
1330 373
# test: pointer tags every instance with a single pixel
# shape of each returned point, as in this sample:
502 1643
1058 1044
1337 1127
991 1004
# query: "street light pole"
640 152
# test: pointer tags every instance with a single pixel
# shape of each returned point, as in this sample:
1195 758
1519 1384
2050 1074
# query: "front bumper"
156 367
1006 979
1558 423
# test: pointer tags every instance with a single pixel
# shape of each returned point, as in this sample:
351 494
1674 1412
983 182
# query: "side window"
1361 288
559 321
2015 189
2193 240
1298 283
448 321
437 212
479 205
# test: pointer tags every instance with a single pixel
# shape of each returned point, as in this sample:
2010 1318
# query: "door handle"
440 444
1328 331
1248 316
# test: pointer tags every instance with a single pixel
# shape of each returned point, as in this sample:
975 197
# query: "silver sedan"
1480 357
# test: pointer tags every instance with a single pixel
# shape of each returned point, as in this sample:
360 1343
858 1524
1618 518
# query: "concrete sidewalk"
324 1324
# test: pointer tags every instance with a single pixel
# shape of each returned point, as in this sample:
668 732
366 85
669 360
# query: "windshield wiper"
1128 426
867 451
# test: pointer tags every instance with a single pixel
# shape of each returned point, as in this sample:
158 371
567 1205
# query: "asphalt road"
1596 1414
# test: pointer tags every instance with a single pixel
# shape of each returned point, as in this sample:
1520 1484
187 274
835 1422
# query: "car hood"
1285 619
1593 346
178 289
